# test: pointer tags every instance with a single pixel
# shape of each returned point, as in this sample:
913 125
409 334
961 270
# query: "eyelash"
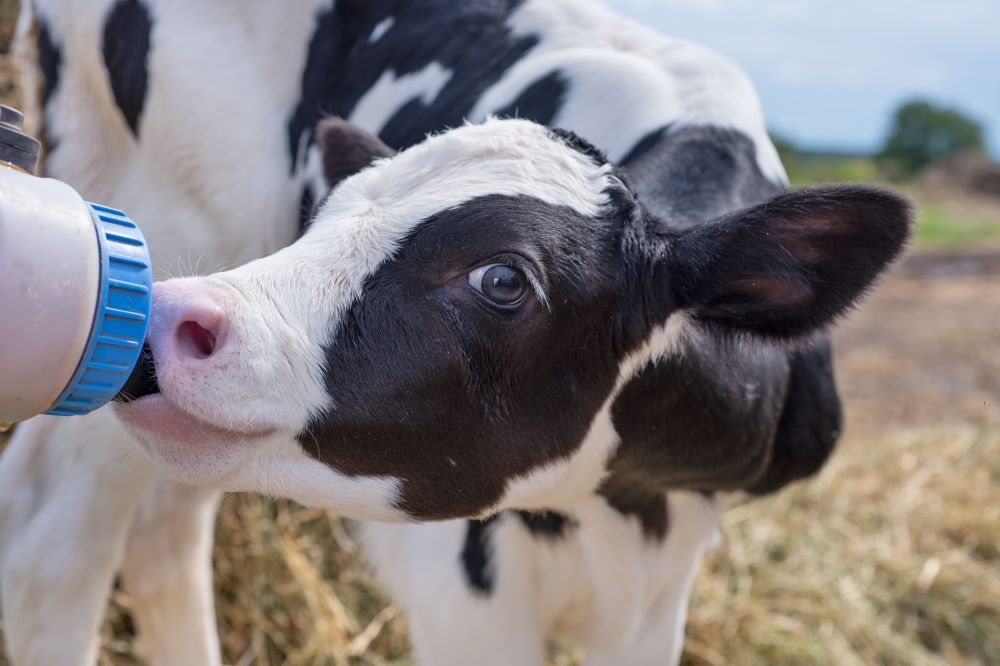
514 261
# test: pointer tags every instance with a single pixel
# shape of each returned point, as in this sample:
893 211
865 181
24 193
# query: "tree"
922 132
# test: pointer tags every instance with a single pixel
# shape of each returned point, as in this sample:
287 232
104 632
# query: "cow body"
616 550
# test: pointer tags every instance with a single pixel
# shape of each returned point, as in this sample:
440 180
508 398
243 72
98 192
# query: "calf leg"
454 622
660 638
68 490
168 573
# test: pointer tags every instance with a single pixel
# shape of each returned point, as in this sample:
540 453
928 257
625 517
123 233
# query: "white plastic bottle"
75 290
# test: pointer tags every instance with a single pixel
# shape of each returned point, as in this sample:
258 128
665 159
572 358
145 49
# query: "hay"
891 556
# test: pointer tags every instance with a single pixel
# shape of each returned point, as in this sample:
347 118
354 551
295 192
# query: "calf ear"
792 264
347 149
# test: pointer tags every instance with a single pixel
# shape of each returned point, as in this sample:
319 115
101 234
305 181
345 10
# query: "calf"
197 117
493 320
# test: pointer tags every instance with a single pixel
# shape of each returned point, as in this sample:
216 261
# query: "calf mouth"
141 402
182 445
142 381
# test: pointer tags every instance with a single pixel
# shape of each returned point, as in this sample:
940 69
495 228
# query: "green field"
951 220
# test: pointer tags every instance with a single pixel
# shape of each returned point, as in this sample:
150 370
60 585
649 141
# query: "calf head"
449 336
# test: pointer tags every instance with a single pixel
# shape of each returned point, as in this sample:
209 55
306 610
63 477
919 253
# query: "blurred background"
892 554
895 90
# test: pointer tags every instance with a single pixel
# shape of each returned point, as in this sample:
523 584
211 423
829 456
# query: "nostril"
194 340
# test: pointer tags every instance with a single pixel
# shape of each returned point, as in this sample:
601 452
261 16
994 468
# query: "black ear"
347 149
792 264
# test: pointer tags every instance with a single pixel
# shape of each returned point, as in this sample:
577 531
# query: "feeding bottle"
75 290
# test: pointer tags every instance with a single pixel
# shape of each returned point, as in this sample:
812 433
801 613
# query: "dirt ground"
924 349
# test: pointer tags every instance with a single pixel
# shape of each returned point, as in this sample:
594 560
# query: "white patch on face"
282 469
383 27
390 93
564 483
618 68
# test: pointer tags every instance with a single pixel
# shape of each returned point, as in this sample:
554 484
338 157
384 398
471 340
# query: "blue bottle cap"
120 319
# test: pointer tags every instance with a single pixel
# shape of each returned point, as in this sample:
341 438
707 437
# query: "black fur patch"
540 101
338 30
545 524
810 421
578 143
708 418
467 397
647 505
476 556
50 65
306 205
692 174
49 59
341 64
705 419
126 52
477 549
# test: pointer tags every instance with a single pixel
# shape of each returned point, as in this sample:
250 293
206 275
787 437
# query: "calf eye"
500 283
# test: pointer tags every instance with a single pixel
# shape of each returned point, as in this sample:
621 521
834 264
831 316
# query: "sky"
830 72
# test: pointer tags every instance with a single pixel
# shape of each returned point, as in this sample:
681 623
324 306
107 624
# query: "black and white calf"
643 362
492 320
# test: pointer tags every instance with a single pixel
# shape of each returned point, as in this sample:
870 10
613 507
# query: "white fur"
212 126
167 572
390 92
282 469
604 586
69 488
